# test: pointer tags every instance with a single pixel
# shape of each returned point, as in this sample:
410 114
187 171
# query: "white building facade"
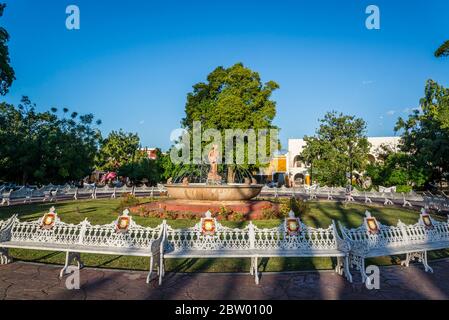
297 170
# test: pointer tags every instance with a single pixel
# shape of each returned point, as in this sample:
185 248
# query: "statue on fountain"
213 177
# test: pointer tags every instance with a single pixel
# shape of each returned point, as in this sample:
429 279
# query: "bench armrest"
342 244
5 230
157 245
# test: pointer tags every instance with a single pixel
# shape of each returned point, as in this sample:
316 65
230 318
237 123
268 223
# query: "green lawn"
106 211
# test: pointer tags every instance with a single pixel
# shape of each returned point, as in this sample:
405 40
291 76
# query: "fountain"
213 189
203 188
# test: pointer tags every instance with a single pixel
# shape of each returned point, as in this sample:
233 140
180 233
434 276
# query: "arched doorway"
298 162
298 179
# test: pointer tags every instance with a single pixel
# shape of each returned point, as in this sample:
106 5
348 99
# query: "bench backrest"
107 236
386 236
84 234
421 233
223 238
307 238
32 231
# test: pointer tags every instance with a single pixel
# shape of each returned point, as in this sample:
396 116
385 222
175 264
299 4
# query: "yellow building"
276 171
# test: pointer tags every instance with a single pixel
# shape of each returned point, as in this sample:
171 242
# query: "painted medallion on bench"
123 222
292 224
371 223
49 219
208 225
426 220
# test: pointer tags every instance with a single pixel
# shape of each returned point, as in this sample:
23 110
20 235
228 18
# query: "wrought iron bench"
207 239
6 198
295 239
122 237
427 234
374 239
210 239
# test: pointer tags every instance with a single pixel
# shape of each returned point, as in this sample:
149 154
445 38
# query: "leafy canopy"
7 75
339 147
425 133
42 147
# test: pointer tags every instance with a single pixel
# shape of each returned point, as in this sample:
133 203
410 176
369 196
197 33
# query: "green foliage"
238 216
7 75
117 150
128 200
232 98
146 170
42 147
443 50
425 135
339 146
299 207
224 213
269 214
404 189
395 169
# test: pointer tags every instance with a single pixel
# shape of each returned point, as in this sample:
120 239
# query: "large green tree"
6 71
43 147
144 169
340 146
118 149
425 133
231 98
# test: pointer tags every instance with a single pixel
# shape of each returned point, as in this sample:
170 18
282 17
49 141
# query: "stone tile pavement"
21 280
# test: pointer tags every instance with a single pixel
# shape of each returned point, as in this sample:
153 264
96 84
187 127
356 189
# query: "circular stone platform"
251 209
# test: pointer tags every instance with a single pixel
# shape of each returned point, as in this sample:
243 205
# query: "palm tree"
443 51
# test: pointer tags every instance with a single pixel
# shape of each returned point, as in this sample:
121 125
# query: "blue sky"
132 63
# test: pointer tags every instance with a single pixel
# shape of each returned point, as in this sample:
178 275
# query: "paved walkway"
36 281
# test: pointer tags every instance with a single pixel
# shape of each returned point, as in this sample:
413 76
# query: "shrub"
238 216
171 215
224 213
404 189
299 207
284 207
128 200
270 213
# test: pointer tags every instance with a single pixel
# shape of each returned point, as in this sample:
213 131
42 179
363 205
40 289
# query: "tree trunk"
231 175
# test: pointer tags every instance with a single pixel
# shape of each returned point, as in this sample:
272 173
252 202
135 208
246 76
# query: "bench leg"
256 271
340 265
151 269
69 258
251 269
421 256
162 268
346 269
359 264
4 256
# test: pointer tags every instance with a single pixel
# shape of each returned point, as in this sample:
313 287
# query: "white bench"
427 234
6 198
122 237
374 239
210 239
207 239
295 239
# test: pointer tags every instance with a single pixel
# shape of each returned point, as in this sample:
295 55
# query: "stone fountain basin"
224 192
